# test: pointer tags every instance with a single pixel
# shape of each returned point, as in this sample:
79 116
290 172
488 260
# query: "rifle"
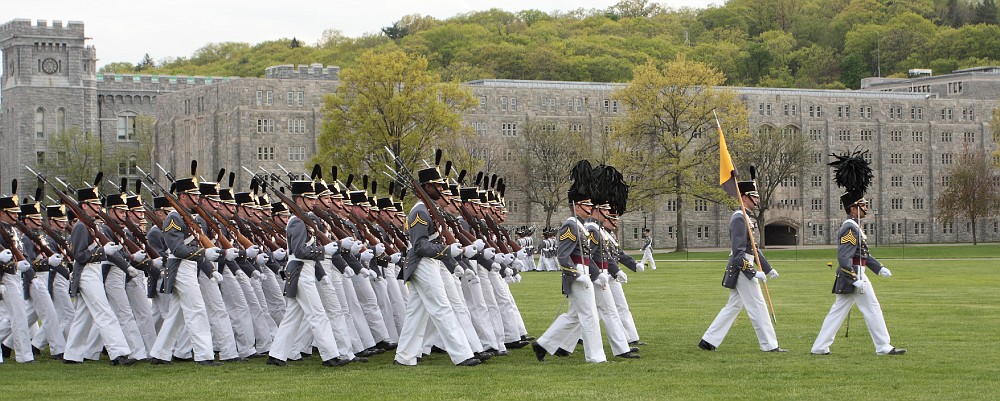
176 204
405 177
75 207
298 212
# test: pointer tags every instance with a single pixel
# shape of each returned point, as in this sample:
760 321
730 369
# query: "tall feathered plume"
97 180
461 177
194 168
317 172
581 174
232 179
220 176
123 185
851 171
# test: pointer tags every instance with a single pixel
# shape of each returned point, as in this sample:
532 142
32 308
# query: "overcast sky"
125 30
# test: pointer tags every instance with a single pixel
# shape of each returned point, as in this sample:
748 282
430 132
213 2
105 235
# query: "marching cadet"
428 299
15 327
87 286
187 306
741 278
852 286
59 276
136 287
647 249
302 300
232 294
574 255
40 306
547 259
118 270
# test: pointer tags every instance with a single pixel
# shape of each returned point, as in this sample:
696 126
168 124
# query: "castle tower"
47 86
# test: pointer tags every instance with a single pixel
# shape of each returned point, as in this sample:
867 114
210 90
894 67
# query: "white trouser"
135 288
335 311
182 345
369 306
92 308
451 288
339 282
871 310
547 264
747 295
511 329
495 317
223 339
429 302
239 314
631 334
395 297
580 318
187 309
305 311
275 301
60 299
357 316
608 312
263 327
647 258
385 307
114 285
15 328
478 312
41 302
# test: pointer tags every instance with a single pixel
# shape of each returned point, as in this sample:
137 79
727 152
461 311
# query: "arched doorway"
780 233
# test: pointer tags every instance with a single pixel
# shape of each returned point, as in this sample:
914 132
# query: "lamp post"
878 227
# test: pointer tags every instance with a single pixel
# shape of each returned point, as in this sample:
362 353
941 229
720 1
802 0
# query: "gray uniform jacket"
742 256
301 246
155 238
852 253
424 239
83 249
575 246
180 242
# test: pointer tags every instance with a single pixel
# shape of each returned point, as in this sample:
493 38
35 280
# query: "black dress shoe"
778 349
209 363
437 350
637 343
6 351
539 351
35 351
395 362
275 361
633 349
629 355
501 353
123 361
561 352
516 344
334 362
72 362
482 356
184 359
156 361
706 346
303 355
57 357
527 338
896 351
470 362
385 345
360 359
237 359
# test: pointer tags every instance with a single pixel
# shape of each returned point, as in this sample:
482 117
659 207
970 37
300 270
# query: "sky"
125 30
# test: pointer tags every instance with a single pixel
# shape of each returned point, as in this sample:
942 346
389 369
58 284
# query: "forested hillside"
773 43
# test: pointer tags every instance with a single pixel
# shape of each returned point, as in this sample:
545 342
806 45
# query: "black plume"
333 173
138 187
13 187
232 178
392 187
316 173
581 175
38 194
753 173
97 180
402 194
447 169
437 157
493 181
851 171
350 179
41 188
461 177
253 183
374 186
194 168
222 174
479 178
123 185
263 187
364 181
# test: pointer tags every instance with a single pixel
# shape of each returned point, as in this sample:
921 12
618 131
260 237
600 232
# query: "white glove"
479 244
366 256
6 256
331 248
110 248
349 272
604 277
517 278
327 280
760 276
3 288
592 226
469 251
522 254
858 283
212 254
356 248
253 251
455 250
395 258
508 272
489 253
39 283
346 243
232 253
472 277
583 278
158 262
217 277
639 267
379 249
365 272
885 272
621 276
508 258
255 275
509 279
458 273
56 259
262 259
279 254
23 266
139 256
518 265
133 272
772 274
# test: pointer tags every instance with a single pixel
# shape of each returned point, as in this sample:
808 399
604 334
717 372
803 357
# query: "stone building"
914 127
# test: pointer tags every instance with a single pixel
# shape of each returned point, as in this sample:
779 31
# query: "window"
844 135
700 205
767 109
508 129
947 114
672 205
260 98
969 136
896 158
896 204
786 109
918 181
60 159
917 113
819 111
265 153
482 103
702 231
607 105
513 103
265 126
290 99
817 158
896 181
918 203
945 136
816 134
302 99
945 180
609 129
61 120
817 181
894 136
866 134
576 128
503 103
918 136
548 127
579 105
947 158
126 128
790 182
817 230
39 158
296 126
270 98
817 204
127 167
947 228
296 153
919 228
955 87
40 123
480 128
918 158
968 114
866 112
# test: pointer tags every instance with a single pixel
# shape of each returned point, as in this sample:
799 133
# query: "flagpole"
746 221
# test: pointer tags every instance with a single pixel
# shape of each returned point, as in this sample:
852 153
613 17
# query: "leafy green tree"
74 156
972 193
542 160
668 140
778 154
117 68
390 100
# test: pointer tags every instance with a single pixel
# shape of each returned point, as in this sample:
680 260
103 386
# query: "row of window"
295 153
894 135
40 121
550 104
292 98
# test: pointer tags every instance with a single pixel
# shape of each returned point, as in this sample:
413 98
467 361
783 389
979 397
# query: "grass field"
946 312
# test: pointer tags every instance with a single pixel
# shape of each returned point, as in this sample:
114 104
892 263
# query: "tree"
972 192
74 156
294 44
146 63
542 161
667 140
390 100
777 156
117 68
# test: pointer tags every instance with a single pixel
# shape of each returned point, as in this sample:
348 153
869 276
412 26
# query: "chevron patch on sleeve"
417 220
568 234
172 226
849 238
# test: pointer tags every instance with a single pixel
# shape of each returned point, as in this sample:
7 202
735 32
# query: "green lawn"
945 312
